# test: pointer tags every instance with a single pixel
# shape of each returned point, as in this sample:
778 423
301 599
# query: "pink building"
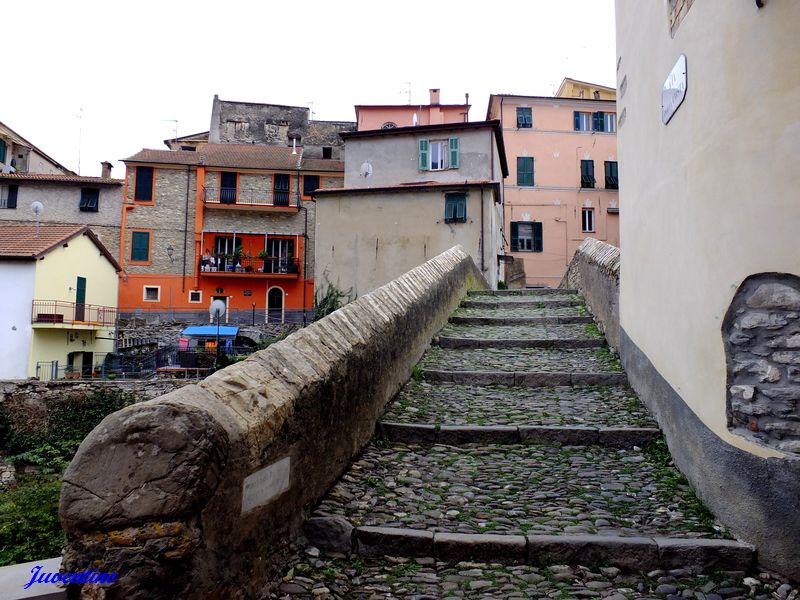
563 186
407 115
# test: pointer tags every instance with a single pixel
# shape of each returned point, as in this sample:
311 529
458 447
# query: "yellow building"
60 317
572 88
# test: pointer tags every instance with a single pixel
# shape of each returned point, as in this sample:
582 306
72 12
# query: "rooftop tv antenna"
37 208
80 136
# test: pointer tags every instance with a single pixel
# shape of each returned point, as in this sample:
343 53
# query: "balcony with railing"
231 265
74 315
249 198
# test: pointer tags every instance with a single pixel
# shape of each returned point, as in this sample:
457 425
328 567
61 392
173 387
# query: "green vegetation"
608 359
45 436
501 285
416 373
592 330
333 299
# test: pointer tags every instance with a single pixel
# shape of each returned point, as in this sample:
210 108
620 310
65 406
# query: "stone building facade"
228 221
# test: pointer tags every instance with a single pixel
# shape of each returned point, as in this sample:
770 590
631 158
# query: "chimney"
434 96
106 167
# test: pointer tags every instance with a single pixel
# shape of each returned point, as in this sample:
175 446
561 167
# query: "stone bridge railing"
199 493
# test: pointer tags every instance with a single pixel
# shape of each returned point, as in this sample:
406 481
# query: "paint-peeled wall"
711 197
15 319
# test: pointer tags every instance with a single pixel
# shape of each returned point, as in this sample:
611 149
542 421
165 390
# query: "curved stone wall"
198 493
761 332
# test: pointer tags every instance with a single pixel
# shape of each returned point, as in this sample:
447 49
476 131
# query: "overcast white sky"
134 66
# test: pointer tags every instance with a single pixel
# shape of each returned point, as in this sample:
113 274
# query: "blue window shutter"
12 196
538 237
461 208
454 153
514 236
576 117
423 155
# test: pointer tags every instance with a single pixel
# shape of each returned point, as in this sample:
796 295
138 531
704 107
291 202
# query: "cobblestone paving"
326 577
581 331
453 404
526 298
519 489
582 360
508 312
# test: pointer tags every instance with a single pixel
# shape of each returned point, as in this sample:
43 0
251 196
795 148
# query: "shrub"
333 299
29 526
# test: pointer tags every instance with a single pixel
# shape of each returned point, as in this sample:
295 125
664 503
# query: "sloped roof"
242 156
31 242
53 178
18 139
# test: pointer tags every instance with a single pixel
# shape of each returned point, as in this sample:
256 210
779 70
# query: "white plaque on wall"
674 90
263 485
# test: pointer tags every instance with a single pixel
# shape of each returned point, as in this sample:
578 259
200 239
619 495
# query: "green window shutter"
424 160
538 237
461 208
525 171
454 153
140 245
2 151
514 236
143 190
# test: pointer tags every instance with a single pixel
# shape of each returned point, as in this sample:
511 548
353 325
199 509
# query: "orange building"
563 188
389 116
225 221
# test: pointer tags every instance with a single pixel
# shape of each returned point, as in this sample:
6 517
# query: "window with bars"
227 187
455 208
524 117
527 236
612 175
525 171
587 174
281 188
90 200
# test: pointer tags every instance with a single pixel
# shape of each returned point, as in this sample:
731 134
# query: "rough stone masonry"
762 343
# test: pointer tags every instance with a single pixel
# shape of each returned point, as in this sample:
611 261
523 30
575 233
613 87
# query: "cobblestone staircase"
518 463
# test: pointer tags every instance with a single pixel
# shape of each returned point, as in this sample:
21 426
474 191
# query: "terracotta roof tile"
30 241
242 156
52 178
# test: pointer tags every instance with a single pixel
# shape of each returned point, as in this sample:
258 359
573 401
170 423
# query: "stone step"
519 489
532 320
455 404
522 292
581 335
383 578
524 302
455 435
455 342
505 361
531 379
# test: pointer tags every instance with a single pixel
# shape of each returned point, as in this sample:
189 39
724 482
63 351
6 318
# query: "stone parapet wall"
594 272
197 494
42 392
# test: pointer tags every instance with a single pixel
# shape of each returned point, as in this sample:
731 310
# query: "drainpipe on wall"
483 262
185 229
304 277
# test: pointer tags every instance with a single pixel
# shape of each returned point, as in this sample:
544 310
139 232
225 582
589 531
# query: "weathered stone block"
456 435
745 392
479 547
334 534
541 379
629 552
674 553
570 436
788 357
408 433
772 296
759 319
627 437
388 541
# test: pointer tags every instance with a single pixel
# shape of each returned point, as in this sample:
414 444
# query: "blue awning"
210 331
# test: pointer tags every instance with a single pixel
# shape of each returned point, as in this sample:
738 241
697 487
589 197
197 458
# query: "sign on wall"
674 90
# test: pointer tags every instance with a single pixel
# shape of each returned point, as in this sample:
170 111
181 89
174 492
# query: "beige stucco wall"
56 279
711 197
366 240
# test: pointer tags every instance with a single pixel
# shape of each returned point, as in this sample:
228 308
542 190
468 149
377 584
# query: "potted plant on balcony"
263 255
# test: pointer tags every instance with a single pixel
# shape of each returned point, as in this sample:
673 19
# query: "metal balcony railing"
249 197
72 313
270 265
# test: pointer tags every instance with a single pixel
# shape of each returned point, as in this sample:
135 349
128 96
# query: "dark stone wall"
197 494
761 332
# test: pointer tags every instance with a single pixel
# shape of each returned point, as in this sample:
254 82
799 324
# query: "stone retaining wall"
197 494
42 392
594 272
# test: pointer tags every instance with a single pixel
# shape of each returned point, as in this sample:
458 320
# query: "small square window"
90 199
327 152
152 293
195 296
455 208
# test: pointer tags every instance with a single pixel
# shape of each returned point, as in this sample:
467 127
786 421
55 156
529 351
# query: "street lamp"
218 310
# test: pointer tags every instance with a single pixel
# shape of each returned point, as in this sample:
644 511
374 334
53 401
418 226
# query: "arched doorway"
275 312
